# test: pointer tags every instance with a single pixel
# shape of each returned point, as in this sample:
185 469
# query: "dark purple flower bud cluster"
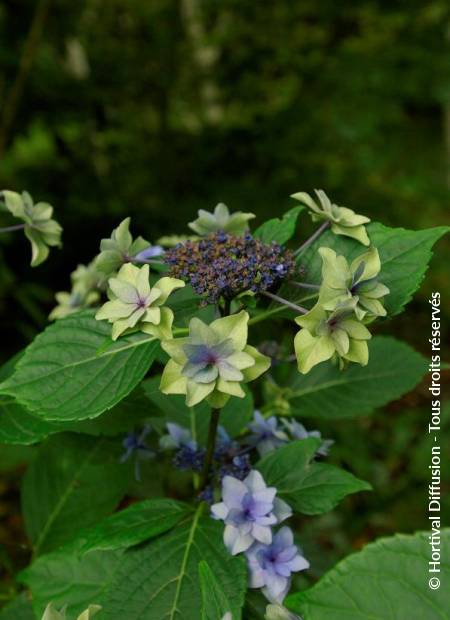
223 265
188 458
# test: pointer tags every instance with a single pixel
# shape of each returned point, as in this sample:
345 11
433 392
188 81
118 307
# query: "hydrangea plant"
169 405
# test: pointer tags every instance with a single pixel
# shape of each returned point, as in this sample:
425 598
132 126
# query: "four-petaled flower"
343 221
212 361
135 444
221 219
271 565
358 280
120 248
265 433
249 509
177 437
325 335
133 302
40 229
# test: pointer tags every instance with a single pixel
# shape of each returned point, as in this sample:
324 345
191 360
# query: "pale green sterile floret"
40 229
213 361
119 249
326 335
221 219
85 292
135 304
343 221
51 613
342 281
170 241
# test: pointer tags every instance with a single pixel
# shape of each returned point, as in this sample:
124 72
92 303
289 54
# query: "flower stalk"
311 239
7 229
285 302
210 445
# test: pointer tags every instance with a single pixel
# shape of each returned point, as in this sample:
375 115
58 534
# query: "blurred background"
156 109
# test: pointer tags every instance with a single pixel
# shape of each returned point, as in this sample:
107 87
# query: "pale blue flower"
266 435
271 565
178 437
249 509
298 431
148 253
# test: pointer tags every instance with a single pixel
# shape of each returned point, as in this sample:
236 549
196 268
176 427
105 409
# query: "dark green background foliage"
156 109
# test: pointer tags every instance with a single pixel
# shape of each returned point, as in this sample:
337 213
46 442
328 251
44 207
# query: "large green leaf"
394 369
308 487
67 577
215 603
72 371
279 230
17 426
233 417
74 481
387 580
159 579
135 524
404 255
19 609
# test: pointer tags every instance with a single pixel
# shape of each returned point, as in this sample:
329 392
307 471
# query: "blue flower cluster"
250 510
223 265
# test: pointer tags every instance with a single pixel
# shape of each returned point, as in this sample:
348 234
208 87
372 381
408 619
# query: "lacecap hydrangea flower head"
331 334
134 303
40 228
212 362
343 281
221 219
343 221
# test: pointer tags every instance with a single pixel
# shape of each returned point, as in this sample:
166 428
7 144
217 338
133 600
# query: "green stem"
7 229
313 237
285 302
210 445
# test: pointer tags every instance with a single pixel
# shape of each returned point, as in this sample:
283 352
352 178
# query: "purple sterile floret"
298 431
266 435
150 252
271 565
134 443
249 509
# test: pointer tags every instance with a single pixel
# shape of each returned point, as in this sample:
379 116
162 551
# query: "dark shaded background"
157 108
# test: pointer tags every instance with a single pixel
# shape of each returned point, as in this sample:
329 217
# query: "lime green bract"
134 303
221 219
119 249
343 221
40 229
325 335
358 280
213 361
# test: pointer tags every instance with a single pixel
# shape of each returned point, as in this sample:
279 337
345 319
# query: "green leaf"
155 580
19 609
17 426
308 487
160 580
387 580
74 481
394 369
234 415
279 230
134 525
66 577
215 603
68 373
404 256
